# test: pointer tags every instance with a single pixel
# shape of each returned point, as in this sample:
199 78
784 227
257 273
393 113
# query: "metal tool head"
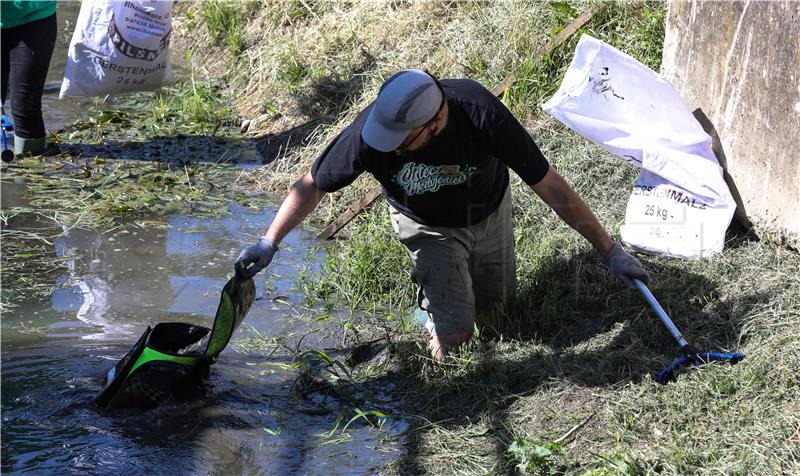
689 356
669 373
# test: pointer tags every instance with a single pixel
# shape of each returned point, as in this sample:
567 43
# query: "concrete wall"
739 62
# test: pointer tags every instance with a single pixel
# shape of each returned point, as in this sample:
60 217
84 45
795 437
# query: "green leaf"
563 7
112 117
324 356
542 451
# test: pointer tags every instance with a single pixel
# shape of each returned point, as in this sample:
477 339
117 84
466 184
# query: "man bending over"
441 151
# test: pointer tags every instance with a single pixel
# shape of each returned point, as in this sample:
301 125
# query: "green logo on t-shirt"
416 178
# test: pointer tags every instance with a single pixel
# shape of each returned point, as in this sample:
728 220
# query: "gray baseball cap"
406 100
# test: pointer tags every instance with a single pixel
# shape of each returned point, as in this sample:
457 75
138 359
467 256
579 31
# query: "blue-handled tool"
689 356
7 126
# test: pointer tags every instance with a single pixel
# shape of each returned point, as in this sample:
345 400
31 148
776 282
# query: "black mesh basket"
172 359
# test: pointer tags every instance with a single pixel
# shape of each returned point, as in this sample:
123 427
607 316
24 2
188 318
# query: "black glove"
254 258
625 266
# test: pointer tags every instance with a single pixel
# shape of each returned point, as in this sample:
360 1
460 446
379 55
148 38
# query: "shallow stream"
118 281
55 351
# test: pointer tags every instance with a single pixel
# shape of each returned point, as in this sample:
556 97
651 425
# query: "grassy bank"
303 69
563 385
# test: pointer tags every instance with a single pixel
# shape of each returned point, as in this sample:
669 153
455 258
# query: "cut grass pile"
136 160
562 384
576 343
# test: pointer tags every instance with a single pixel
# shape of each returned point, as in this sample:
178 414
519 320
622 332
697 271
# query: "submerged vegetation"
136 161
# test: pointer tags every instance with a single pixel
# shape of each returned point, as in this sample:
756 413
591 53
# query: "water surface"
55 351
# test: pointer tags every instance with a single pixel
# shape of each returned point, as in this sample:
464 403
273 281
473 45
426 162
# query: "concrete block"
739 63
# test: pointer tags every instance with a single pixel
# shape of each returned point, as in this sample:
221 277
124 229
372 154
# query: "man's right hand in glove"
625 266
254 258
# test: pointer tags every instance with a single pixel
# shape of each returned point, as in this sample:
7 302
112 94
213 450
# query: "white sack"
119 46
680 205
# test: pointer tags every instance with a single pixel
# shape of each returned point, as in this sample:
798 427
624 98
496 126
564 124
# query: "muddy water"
249 421
55 351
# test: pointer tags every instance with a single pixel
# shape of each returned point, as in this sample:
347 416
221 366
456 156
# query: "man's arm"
302 199
571 208
557 193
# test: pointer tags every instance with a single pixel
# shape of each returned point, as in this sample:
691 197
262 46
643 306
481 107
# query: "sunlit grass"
563 383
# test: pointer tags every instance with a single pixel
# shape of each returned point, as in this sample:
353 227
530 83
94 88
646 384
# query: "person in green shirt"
28 37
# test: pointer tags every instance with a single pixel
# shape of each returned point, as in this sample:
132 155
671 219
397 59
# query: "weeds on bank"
574 342
290 12
291 69
534 458
370 272
636 28
224 21
192 107
598 356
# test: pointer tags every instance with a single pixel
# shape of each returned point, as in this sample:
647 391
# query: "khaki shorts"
460 271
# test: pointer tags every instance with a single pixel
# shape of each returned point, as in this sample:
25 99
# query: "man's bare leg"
441 345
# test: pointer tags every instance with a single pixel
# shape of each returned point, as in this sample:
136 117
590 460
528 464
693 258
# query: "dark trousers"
27 50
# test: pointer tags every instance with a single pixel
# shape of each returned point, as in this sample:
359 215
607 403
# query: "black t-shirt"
459 177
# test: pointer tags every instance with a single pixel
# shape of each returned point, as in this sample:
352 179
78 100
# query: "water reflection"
118 282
